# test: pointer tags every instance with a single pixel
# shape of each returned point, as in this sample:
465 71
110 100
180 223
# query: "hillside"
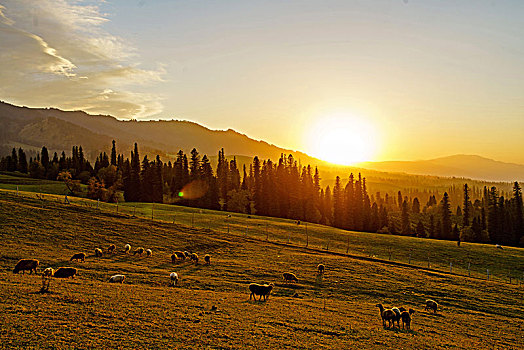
334 311
461 165
32 128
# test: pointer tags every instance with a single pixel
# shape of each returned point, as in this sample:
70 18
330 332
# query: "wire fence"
470 260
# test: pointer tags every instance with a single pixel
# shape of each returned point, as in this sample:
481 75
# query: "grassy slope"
144 312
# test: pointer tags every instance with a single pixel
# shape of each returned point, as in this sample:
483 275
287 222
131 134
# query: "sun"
342 138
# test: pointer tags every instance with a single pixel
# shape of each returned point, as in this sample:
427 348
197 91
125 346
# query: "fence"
475 263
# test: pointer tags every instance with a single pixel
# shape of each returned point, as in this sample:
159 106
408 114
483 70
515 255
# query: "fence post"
174 218
153 212
347 248
192 219
389 251
428 262
469 272
327 245
267 233
17 190
450 267
288 237
409 259
307 237
117 206
487 274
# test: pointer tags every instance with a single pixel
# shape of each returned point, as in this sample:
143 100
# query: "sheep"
387 315
139 251
111 249
320 269
289 277
406 318
194 257
26 264
397 312
207 259
98 252
178 255
65 272
149 252
499 246
79 257
431 305
127 248
117 279
263 290
49 272
174 278
187 254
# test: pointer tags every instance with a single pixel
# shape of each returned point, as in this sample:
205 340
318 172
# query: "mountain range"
32 128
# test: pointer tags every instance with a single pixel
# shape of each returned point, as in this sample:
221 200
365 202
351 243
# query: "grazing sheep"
26 264
431 305
406 318
117 279
139 251
387 315
498 246
320 269
149 252
194 257
397 312
49 272
127 248
111 249
98 252
207 259
79 257
187 254
180 255
263 290
289 277
174 278
65 272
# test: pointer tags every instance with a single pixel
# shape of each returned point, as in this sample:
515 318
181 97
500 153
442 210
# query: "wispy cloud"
57 53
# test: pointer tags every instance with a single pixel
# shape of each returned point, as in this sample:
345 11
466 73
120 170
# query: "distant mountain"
460 165
32 128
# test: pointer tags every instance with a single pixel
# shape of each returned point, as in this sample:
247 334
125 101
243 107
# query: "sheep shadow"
400 330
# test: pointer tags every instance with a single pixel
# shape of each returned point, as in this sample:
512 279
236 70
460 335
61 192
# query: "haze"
429 78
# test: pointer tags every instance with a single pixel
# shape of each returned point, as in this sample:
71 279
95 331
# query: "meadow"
211 309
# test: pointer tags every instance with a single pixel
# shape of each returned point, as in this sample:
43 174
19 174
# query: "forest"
283 189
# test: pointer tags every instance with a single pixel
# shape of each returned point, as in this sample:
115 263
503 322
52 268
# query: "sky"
377 80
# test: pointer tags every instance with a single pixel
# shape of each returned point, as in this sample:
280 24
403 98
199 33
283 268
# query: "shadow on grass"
400 330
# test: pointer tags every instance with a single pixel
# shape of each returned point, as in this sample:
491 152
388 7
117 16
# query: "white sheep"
498 246
98 252
127 248
174 278
117 279
149 252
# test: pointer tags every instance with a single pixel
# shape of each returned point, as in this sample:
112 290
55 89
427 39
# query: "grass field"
334 312
27 184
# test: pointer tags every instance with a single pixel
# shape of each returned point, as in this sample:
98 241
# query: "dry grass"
88 312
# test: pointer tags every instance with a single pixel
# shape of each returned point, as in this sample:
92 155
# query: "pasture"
210 307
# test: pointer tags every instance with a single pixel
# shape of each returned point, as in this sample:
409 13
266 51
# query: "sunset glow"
342 138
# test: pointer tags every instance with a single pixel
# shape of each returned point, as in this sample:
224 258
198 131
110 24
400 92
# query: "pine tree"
113 154
445 211
406 226
44 158
466 212
415 208
194 165
518 214
338 216
420 230
22 161
257 185
494 216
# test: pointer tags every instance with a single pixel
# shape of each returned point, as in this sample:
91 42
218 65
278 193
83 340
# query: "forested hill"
32 128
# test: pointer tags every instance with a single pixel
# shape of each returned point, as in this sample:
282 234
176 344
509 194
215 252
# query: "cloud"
57 53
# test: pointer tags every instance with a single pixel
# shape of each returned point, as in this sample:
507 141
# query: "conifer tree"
113 154
466 212
22 161
445 212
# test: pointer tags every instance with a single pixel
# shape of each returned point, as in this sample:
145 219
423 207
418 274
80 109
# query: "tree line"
283 189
